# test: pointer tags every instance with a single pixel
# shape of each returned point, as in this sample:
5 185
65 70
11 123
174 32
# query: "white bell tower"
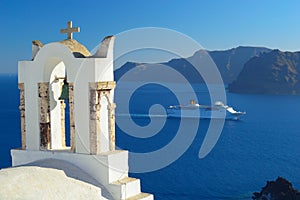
65 74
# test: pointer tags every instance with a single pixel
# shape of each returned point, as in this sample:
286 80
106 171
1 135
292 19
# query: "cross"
69 30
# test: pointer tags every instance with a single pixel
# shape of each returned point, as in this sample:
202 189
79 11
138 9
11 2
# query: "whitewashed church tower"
65 76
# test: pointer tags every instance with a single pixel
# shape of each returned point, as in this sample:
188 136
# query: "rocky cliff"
274 72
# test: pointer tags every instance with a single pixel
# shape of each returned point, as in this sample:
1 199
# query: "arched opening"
104 129
59 109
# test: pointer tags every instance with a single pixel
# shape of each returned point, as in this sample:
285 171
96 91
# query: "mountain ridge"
229 63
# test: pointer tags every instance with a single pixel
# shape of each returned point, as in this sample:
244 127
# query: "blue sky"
215 24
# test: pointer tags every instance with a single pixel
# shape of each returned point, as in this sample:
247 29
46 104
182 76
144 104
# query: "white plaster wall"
32 117
104 71
105 168
81 104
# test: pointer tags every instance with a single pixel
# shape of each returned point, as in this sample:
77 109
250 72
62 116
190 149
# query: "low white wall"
105 168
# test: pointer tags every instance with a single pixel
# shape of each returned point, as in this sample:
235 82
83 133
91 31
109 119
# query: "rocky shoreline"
280 189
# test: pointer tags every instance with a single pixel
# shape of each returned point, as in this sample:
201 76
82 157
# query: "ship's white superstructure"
194 110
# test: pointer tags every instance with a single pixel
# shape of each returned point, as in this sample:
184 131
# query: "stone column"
101 140
94 120
72 122
62 122
44 110
111 123
22 115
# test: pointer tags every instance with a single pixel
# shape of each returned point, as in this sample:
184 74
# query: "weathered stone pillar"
44 109
72 122
111 123
102 128
62 122
22 115
94 119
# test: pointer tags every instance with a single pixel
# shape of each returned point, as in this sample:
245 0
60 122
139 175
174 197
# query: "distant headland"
274 72
253 70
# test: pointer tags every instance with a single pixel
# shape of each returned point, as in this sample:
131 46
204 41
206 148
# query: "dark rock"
281 189
231 62
274 72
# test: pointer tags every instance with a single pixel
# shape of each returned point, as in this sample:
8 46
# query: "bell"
65 92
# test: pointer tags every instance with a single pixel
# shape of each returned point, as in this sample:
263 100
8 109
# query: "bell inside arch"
65 91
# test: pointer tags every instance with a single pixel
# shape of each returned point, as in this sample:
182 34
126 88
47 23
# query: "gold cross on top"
70 30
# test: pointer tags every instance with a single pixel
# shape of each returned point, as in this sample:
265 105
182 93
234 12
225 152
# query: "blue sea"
260 147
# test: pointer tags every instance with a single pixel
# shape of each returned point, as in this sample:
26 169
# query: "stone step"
142 196
125 188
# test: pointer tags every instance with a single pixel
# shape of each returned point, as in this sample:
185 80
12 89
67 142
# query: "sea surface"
263 145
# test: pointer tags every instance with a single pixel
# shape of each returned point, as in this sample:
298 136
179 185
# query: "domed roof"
43 183
49 179
78 49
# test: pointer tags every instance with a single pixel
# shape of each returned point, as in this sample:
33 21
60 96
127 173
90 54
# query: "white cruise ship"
193 109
